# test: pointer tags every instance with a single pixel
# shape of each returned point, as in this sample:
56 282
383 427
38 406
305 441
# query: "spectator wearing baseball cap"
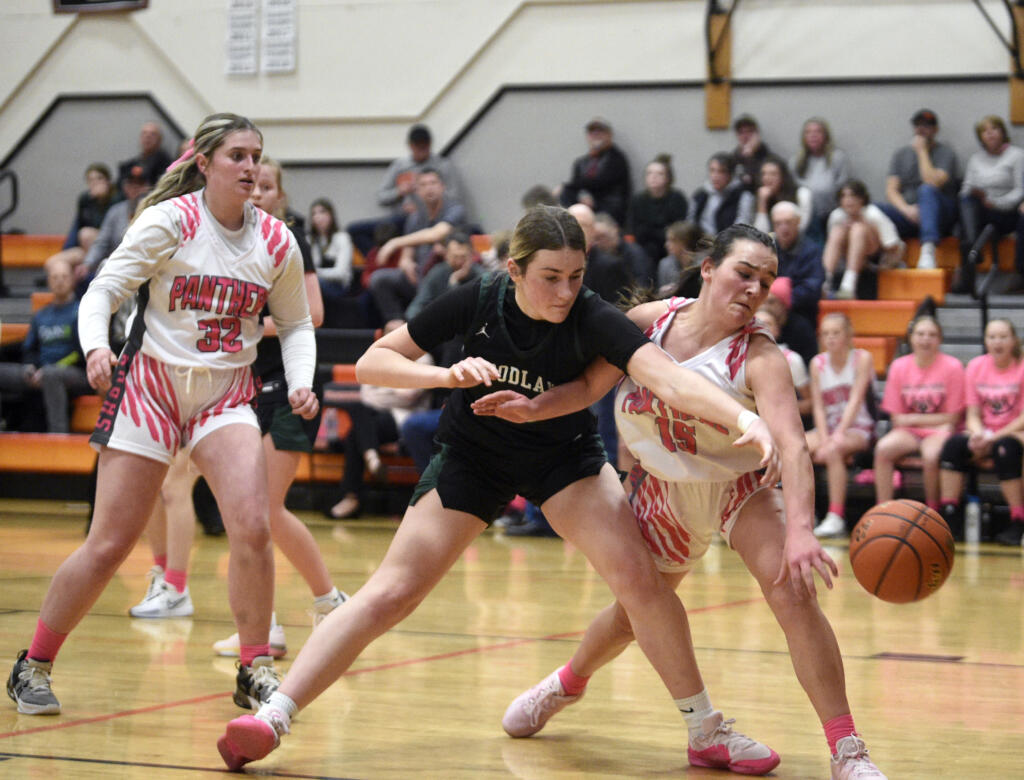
921 188
397 191
600 178
750 151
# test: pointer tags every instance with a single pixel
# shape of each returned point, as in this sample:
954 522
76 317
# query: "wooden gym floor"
937 687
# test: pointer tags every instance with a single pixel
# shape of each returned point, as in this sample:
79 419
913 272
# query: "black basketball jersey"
531 356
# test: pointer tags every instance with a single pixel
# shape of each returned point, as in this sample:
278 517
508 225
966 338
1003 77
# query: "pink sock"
1017 513
837 508
951 501
837 728
160 560
934 505
45 642
176 578
247 652
572 683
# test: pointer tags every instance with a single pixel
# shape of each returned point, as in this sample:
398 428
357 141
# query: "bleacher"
880 326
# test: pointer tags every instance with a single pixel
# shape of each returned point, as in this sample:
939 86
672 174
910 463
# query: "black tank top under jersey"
531 356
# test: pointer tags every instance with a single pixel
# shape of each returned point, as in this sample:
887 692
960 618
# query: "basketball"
901 551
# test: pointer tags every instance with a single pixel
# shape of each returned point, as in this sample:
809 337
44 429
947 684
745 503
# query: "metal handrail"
11 176
973 259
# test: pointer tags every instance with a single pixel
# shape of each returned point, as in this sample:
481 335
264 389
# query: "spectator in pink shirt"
924 395
995 428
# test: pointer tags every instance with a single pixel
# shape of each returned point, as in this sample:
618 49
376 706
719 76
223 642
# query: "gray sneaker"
29 686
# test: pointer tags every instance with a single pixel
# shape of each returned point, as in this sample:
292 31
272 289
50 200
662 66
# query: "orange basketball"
901 551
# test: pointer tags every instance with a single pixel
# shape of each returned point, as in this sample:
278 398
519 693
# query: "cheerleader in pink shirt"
995 429
924 394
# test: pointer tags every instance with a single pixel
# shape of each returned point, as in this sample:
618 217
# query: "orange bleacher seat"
882 349
85 410
947 254
873 318
13 332
47 453
29 251
902 284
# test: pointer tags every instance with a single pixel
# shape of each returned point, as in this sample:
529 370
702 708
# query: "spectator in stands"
859 233
799 280
775 184
842 397
995 429
721 201
600 178
459 267
682 240
51 356
397 191
331 248
376 418
749 153
115 224
92 205
773 315
435 217
991 193
151 161
656 207
611 277
538 195
494 259
921 187
821 168
609 239
924 396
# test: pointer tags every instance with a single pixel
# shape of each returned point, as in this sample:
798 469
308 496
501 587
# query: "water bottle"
972 520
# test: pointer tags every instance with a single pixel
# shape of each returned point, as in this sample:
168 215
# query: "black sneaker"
256 683
29 686
1011 535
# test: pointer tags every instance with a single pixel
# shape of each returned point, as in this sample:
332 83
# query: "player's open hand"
801 557
304 403
99 368
506 404
759 436
472 371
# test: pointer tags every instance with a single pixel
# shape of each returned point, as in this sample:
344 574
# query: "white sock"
695 709
849 282
929 247
278 711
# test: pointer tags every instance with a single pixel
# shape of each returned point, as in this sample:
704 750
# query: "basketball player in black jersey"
529 330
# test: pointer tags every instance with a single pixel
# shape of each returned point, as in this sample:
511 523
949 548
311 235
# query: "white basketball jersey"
680 446
201 288
836 387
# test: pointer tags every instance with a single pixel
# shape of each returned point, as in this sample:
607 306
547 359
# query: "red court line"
517 642
66 724
350 673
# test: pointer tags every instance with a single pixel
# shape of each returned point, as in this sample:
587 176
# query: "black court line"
151 765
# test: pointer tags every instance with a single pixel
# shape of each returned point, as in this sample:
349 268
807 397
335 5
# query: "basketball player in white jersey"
203 261
841 389
690 482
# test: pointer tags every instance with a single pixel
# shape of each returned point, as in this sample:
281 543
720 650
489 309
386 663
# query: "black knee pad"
1007 452
955 454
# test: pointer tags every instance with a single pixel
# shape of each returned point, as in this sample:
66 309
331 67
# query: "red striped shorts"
154 409
678 520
